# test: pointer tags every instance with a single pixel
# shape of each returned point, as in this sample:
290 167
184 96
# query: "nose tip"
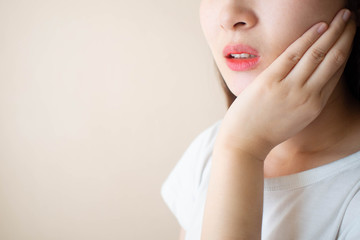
232 17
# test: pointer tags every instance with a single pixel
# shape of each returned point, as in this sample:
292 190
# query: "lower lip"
242 64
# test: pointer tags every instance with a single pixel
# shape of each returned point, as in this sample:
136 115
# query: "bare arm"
182 234
264 115
234 197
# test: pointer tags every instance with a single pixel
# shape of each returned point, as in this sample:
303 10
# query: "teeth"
242 55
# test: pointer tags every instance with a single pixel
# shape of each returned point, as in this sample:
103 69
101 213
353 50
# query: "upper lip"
238 49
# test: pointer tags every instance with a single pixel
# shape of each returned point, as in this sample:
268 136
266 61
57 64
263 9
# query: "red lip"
241 64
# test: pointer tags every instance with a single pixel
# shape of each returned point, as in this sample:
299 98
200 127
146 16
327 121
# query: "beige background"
98 100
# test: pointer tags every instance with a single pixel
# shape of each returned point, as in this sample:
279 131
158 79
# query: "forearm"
234 201
278 104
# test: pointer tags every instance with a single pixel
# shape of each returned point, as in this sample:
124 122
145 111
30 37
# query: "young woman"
284 163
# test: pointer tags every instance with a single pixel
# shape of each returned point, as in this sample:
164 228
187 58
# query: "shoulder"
180 189
204 141
196 155
350 228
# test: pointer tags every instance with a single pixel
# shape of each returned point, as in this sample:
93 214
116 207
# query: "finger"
281 67
335 59
317 52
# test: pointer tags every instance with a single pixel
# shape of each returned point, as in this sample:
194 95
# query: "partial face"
256 32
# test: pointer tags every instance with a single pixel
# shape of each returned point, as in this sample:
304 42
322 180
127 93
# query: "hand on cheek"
293 90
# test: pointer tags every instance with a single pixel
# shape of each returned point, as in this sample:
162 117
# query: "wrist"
234 146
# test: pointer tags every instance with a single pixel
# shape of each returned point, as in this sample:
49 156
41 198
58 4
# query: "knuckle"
318 54
338 56
312 102
309 41
305 100
294 57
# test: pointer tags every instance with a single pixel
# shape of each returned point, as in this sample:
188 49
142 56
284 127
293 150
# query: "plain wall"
98 101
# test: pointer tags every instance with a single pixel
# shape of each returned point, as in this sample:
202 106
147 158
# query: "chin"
238 86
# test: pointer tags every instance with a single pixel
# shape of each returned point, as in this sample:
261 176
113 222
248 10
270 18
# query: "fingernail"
346 15
321 29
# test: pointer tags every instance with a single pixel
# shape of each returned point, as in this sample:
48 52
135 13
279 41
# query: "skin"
266 29
292 112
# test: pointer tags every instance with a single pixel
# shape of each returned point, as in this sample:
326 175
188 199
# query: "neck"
320 142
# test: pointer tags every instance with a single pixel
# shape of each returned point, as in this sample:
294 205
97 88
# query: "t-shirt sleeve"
179 190
354 231
351 221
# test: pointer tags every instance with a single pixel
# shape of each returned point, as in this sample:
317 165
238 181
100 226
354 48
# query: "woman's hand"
292 91
281 101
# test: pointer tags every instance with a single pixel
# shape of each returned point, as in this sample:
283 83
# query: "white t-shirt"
321 203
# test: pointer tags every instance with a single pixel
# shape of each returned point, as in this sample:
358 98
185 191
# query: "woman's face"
259 29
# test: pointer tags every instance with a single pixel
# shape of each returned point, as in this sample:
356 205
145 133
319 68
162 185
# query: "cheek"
282 30
208 13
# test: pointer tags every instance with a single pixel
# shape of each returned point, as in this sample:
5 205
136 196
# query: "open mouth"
241 55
